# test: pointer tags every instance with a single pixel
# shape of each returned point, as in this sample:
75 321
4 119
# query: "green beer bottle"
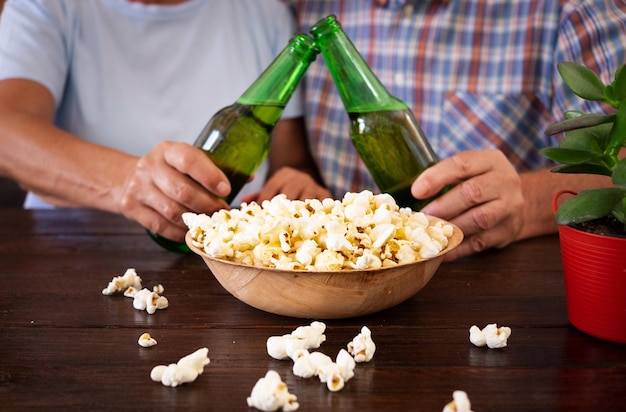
383 129
237 138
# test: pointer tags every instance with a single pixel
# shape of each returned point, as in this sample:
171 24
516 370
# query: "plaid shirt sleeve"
478 74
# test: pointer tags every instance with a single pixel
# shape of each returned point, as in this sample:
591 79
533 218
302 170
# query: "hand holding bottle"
171 179
383 129
486 202
238 137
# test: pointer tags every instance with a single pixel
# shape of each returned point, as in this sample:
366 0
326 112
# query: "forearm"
539 188
60 167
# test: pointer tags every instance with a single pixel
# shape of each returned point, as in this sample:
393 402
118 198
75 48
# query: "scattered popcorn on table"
362 346
149 301
270 393
308 364
460 403
492 336
146 340
336 374
362 231
303 337
121 283
186 370
143 298
346 364
331 376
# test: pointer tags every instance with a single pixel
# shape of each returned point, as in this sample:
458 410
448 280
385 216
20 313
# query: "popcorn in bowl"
362 231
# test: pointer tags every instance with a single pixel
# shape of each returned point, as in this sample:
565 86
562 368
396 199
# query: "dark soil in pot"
608 226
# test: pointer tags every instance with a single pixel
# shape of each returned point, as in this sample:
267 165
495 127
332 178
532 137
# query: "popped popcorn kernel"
303 337
186 370
460 403
330 374
362 347
173 375
121 283
492 336
308 364
362 231
346 364
149 301
302 364
146 341
196 360
336 374
270 393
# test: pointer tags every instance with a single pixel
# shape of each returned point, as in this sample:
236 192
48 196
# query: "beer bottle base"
171 245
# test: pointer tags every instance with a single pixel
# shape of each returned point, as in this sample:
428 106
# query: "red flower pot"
595 281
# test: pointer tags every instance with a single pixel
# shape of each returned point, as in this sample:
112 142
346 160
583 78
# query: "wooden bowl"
324 295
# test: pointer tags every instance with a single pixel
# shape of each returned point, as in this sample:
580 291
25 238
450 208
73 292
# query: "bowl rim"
453 242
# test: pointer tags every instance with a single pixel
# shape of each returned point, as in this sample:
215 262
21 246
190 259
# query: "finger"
315 191
143 196
486 226
310 189
182 194
465 195
453 170
163 227
152 220
286 180
498 237
156 187
193 162
250 197
481 218
296 185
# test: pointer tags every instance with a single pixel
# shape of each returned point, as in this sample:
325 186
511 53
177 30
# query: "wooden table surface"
64 345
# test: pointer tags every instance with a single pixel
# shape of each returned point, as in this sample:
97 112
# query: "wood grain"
64 345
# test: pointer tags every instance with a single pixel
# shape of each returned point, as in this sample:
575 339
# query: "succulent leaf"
582 81
594 138
592 145
585 120
589 205
619 83
619 173
589 169
568 156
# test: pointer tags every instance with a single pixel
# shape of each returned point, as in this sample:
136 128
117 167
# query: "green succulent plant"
591 145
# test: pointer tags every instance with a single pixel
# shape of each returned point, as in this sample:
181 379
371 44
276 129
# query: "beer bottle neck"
275 86
358 87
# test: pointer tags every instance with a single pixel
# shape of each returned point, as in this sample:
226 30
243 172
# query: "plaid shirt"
478 74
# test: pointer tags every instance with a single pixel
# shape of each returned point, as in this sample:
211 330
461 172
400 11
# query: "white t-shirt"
129 75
